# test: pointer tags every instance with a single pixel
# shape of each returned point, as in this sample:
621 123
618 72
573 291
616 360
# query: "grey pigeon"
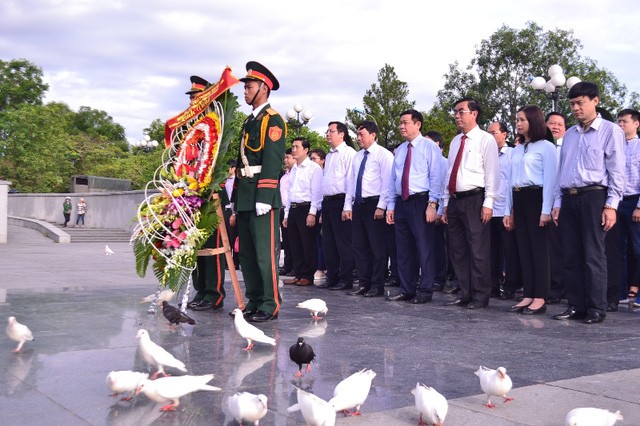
301 353
174 315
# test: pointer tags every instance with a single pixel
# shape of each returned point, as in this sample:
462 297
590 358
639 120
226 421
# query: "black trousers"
369 245
440 247
336 242
415 240
232 234
533 243
613 252
392 252
303 243
504 257
470 243
583 241
286 245
556 261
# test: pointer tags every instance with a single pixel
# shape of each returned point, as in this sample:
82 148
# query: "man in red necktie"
473 176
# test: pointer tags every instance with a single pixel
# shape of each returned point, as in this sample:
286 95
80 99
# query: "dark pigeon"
174 315
301 353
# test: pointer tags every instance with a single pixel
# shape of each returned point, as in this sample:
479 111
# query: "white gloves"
262 208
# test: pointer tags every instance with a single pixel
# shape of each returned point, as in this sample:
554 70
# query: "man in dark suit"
256 194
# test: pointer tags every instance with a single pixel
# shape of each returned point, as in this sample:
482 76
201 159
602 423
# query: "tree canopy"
383 102
20 83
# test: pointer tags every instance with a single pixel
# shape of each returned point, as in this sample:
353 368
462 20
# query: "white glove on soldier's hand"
262 208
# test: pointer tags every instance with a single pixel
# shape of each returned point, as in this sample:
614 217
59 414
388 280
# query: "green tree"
20 83
100 125
36 150
383 102
499 75
442 122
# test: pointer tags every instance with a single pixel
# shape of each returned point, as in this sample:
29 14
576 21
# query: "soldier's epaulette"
271 111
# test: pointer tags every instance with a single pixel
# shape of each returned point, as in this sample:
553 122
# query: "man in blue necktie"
365 204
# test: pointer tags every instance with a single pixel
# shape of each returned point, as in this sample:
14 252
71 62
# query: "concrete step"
98 235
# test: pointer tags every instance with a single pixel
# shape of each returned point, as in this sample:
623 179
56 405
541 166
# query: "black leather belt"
526 188
372 198
302 204
463 194
578 191
416 195
630 197
333 197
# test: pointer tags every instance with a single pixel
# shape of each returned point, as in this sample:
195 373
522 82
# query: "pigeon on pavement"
174 315
431 405
249 331
18 333
171 389
165 295
247 406
301 353
494 383
352 392
156 355
125 381
589 416
315 410
314 306
108 250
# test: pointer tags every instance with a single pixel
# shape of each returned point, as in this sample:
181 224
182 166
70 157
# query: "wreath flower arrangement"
178 213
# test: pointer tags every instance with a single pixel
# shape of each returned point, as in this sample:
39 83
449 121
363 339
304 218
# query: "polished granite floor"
84 332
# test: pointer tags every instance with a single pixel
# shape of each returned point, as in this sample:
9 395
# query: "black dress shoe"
374 293
554 300
541 310
399 298
418 300
438 287
342 286
261 316
193 303
477 305
204 305
517 309
458 302
612 307
594 318
246 313
359 292
452 290
570 314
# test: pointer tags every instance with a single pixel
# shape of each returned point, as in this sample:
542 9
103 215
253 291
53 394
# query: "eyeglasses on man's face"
460 112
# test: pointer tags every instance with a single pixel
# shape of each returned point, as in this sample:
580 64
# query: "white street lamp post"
298 117
556 80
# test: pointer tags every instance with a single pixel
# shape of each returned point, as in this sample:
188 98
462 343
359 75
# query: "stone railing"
115 210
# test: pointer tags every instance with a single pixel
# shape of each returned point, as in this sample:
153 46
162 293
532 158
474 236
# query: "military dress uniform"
257 181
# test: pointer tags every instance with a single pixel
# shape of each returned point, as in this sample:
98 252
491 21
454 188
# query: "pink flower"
176 223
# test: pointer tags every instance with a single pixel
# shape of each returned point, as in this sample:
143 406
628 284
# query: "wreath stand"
226 249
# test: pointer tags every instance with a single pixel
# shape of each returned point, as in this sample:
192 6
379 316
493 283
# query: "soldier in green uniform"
208 277
256 195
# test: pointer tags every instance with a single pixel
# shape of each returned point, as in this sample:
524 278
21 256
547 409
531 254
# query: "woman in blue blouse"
533 174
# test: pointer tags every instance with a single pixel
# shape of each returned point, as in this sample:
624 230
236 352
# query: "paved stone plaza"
83 309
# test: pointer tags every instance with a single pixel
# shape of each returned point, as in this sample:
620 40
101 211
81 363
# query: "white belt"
252 169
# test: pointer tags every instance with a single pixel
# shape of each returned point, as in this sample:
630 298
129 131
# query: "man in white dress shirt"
336 233
364 206
472 183
305 196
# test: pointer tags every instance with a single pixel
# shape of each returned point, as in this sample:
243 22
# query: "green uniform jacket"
264 140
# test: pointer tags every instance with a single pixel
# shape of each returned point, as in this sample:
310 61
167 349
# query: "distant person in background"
318 156
82 210
66 210
232 231
285 182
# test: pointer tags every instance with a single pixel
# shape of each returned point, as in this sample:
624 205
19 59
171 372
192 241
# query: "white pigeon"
589 416
430 404
166 295
156 355
315 410
171 389
18 333
108 250
250 332
314 306
247 406
125 381
494 383
352 392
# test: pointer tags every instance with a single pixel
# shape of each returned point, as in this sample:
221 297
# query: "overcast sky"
133 58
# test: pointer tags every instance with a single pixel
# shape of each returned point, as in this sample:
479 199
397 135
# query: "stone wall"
114 210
